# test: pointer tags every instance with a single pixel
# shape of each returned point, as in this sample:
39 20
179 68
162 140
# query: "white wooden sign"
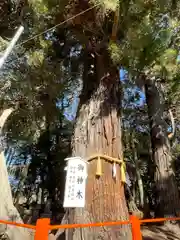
75 186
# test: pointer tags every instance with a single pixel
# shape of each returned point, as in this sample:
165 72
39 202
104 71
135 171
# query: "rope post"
42 229
136 228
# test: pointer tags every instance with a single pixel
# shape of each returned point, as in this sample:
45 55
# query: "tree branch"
171 135
115 25
4 116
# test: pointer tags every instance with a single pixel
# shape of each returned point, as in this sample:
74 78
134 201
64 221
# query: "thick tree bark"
166 191
7 208
98 131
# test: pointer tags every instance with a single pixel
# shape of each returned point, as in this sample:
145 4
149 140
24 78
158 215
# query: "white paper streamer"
114 170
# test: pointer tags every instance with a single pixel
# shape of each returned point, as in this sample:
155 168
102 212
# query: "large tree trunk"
166 192
98 131
7 208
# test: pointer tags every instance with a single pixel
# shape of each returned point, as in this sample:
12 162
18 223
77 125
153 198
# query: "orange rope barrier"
160 219
18 224
136 228
43 226
100 224
42 229
84 225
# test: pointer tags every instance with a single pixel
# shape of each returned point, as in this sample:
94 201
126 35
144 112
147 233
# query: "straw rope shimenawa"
100 157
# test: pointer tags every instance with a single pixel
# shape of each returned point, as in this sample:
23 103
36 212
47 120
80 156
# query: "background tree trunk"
166 192
98 131
138 174
7 208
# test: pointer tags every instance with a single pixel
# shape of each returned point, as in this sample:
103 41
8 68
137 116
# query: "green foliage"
115 52
108 5
39 6
36 58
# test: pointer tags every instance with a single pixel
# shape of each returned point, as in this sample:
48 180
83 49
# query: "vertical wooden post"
136 228
42 229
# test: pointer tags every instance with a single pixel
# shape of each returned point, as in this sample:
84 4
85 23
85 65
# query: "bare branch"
171 135
4 116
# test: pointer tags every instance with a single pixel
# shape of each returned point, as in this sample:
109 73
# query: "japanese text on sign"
75 183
